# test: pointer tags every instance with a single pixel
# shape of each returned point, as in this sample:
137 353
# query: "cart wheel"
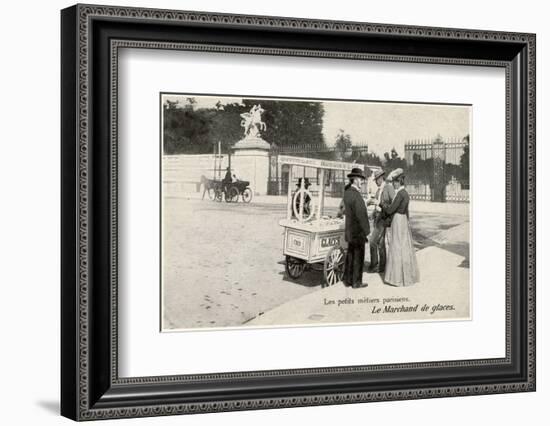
212 193
247 195
232 195
294 267
334 266
218 194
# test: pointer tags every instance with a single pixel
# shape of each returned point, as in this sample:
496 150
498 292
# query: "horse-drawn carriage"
312 240
219 190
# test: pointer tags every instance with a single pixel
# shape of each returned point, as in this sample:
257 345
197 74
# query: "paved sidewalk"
444 289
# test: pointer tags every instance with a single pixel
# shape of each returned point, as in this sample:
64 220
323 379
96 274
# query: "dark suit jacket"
357 222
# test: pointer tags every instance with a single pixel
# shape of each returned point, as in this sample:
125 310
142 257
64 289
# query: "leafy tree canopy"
193 130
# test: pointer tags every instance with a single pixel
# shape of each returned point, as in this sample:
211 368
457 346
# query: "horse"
207 184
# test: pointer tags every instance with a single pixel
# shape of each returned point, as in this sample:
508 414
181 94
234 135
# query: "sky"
381 125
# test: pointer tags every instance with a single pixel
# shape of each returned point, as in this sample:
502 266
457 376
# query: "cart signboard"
318 163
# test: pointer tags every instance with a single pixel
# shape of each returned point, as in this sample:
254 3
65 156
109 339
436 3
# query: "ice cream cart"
312 240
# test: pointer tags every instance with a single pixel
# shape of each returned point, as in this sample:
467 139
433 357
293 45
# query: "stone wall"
182 173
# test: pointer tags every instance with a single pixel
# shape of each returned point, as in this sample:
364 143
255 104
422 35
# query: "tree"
290 122
171 105
392 161
225 125
421 170
360 155
192 130
372 159
343 144
191 102
185 130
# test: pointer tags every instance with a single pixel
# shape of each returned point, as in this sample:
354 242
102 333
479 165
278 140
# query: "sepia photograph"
280 212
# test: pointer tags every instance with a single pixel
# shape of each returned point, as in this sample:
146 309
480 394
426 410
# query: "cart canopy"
317 163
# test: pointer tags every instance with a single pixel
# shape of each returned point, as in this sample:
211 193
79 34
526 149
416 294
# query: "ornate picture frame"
91 37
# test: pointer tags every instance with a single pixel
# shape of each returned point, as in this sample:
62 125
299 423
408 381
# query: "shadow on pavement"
310 278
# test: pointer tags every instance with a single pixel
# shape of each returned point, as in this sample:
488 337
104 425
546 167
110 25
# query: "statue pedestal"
250 161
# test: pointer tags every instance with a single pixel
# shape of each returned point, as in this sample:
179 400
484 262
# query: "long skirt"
401 266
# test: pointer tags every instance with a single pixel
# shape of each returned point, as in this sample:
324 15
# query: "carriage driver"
228 178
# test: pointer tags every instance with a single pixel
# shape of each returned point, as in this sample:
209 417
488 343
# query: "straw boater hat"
379 173
395 174
356 172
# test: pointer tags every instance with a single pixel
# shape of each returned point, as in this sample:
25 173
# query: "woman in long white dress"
401 266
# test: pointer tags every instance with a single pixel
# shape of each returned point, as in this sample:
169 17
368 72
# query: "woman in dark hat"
356 231
401 266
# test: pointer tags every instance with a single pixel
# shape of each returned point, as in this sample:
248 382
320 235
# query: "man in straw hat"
356 231
377 241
